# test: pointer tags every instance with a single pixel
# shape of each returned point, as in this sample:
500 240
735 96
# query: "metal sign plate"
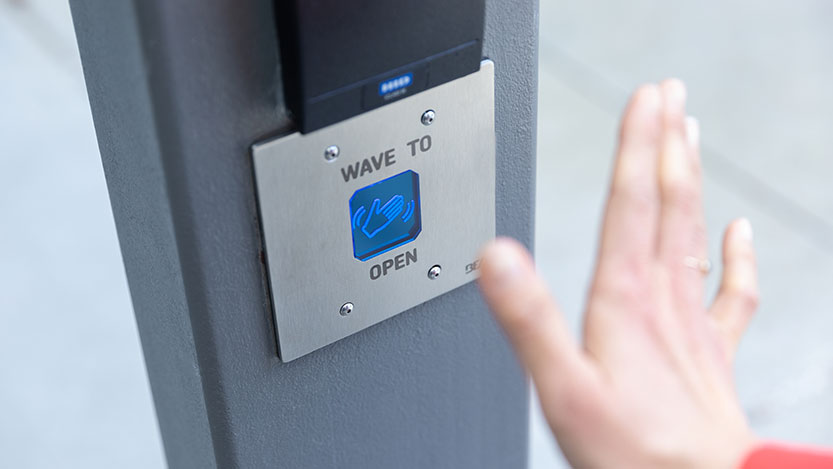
372 216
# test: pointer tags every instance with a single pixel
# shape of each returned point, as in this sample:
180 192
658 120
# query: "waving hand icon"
385 214
381 217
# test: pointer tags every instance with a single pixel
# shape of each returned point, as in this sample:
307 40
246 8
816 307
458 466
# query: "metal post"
179 92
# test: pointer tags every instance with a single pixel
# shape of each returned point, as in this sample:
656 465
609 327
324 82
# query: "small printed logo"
473 266
395 84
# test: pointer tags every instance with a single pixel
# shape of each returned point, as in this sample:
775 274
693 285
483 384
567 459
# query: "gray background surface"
73 390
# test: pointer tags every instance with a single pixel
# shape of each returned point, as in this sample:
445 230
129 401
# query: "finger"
630 224
682 228
737 298
533 323
394 209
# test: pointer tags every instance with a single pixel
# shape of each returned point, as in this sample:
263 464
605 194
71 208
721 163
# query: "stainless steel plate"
309 222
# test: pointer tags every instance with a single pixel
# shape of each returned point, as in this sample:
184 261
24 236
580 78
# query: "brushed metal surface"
303 201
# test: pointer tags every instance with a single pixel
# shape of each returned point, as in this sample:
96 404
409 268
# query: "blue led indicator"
396 83
385 215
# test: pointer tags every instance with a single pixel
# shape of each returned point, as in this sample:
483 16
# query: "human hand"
652 385
380 217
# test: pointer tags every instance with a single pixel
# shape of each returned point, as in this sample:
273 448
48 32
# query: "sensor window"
385 215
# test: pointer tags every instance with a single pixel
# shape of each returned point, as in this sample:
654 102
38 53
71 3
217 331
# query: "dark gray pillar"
179 91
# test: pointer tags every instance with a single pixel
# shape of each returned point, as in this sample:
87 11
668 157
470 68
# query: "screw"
434 272
346 309
428 117
331 153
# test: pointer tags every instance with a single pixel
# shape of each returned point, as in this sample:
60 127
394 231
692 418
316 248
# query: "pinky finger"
737 298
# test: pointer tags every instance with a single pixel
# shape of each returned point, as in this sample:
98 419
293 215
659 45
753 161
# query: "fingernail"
745 229
692 130
502 265
648 100
676 94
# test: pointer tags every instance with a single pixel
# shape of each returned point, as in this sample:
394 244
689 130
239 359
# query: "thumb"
374 207
532 321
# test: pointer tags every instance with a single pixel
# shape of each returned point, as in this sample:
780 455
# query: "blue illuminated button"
385 215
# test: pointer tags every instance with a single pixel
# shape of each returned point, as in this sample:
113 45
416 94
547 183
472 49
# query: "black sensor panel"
342 57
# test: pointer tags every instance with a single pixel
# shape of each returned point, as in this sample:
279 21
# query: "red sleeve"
780 456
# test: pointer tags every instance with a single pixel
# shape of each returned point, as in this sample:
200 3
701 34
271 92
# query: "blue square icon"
385 215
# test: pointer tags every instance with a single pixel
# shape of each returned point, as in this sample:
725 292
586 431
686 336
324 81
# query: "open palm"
652 384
